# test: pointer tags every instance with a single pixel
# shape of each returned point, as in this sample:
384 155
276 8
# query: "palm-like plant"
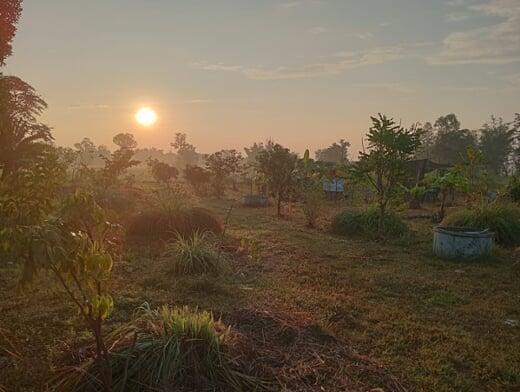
22 137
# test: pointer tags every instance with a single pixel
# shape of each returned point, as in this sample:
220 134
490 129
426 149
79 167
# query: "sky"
304 73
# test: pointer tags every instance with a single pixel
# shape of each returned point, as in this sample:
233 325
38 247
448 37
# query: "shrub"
195 254
157 224
355 222
312 205
502 219
513 189
166 349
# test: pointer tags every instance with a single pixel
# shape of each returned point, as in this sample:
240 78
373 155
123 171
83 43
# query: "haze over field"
303 72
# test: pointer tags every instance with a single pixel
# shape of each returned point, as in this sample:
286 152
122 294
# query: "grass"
502 219
164 348
195 254
430 324
365 223
160 224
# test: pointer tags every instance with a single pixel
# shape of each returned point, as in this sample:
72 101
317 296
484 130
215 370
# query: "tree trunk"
279 206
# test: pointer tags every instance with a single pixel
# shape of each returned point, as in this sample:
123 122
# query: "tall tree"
277 166
496 144
221 165
335 153
186 152
22 136
382 164
450 141
427 142
10 11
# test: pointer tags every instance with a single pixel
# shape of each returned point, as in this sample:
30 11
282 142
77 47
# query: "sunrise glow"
146 117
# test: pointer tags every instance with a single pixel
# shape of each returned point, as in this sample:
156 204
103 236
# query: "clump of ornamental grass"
365 223
166 349
502 219
195 254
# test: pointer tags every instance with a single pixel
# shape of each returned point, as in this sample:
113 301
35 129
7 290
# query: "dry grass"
312 310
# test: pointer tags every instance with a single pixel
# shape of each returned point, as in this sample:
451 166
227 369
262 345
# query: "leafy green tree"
221 165
336 153
22 136
121 159
427 142
447 183
277 166
451 141
10 11
382 164
497 144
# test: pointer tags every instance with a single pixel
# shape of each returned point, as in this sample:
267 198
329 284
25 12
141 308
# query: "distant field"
318 310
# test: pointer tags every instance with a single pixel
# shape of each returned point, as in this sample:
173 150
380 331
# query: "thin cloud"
457 17
495 44
340 62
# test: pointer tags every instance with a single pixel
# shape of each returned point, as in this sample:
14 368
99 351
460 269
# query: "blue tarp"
334 185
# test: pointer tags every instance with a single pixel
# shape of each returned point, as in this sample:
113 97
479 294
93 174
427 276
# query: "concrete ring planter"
462 242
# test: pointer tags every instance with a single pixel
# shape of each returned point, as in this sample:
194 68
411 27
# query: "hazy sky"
230 72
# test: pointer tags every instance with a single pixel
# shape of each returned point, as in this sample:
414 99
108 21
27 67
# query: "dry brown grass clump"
159 224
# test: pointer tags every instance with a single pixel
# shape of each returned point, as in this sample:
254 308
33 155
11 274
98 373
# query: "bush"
355 222
196 254
513 189
160 224
166 349
312 205
502 219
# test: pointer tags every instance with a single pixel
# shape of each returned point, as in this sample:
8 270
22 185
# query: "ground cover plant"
164 348
195 254
366 223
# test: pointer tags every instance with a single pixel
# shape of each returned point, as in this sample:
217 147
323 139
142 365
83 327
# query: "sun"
146 116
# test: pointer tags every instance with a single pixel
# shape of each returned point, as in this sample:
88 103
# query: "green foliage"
277 166
382 167
366 223
448 182
195 254
497 144
451 141
502 219
513 189
10 11
335 153
165 349
221 165
22 137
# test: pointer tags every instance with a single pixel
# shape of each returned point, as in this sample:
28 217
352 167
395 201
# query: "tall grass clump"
166 349
502 219
195 254
366 223
170 215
